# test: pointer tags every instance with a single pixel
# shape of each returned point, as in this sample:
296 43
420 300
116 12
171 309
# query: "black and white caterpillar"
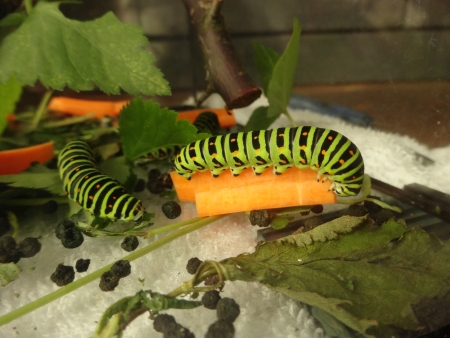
85 184
326 151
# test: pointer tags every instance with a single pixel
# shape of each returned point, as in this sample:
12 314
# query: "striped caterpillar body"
206 122
326 151
90 188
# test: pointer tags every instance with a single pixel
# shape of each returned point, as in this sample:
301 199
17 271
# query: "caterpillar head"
139 213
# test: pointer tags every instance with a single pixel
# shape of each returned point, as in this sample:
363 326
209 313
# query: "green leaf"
58 51
116 167
48 181
10 22
124 311
9 94
280 85
280 222
265 60
259 120
145 126
377 281
9 272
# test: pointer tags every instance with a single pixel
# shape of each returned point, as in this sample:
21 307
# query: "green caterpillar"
326 151
206 122
90 188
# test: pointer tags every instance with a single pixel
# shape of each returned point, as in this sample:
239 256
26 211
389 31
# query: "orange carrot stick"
112 108
228 194
17 160
83 107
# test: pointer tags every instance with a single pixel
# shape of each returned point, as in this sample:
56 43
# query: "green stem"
40 111
96 274
67 122
169 227
290 118
28 6
33 201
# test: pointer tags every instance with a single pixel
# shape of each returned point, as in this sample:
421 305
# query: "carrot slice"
112 108
83 107
228 194
15 161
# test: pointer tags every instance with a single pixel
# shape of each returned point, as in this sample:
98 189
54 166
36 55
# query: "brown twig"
224 71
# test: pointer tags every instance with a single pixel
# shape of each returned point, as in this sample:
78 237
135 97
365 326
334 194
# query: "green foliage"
58 51
372 279
121 313
277 76
145 126
116 167
48 180
260 119
9 272
265 60
9 94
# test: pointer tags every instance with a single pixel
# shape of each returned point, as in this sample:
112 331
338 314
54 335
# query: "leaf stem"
288 115
177 225
96 274
40 111
28 6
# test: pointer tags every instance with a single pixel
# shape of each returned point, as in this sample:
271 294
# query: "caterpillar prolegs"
102 195
326 151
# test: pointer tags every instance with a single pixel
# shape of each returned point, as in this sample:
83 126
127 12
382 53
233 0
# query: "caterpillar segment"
326 151
100 194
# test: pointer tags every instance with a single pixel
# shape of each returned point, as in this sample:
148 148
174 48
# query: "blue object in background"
335 110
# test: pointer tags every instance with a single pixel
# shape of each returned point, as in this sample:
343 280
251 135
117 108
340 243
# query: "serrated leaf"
265 60
9 95
259 120
48 181
283 74
58 51
145 126
9 272
370 279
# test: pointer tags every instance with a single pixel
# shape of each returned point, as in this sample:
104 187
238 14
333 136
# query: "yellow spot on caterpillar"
305 133
235 152
351 152
77 169
110 206
191 148
280 134
281 148
283 161
323 152
214 155
257 150
303 160
330 173
194 158
330 137
303 147
260 162
211 143
233 140
114 197
98 186
79 189
317 165
341 161
86 177
91 197
255 137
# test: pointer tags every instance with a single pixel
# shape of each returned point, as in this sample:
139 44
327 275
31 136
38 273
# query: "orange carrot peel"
228 194
17 160
101 109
